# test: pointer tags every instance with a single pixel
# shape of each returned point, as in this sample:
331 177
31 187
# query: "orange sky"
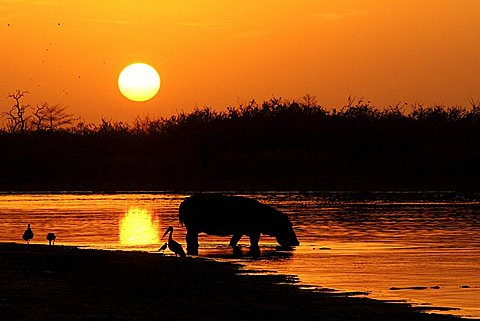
220 53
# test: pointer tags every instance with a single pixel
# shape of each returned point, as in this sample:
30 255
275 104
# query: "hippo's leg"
192 242
233 244
254 248
235 239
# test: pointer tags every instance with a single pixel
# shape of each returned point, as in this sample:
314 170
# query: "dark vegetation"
62 283
279 144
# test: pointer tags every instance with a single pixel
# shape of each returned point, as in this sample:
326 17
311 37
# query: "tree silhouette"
17 118
53 117
43 117
39 116
278 143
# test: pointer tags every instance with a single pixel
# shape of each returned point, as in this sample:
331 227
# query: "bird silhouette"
51 238
173 245
28 234
163 247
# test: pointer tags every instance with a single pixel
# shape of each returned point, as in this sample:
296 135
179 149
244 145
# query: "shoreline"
354 189
42 282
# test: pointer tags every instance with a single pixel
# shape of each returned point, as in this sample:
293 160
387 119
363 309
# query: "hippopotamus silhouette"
233 215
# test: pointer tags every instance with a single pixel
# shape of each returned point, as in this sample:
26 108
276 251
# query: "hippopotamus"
223 215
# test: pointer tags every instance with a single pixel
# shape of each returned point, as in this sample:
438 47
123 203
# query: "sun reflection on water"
138 227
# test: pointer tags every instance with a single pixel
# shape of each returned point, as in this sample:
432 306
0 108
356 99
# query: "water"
419 247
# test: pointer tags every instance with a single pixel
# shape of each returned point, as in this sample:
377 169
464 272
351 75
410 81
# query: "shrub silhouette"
278 144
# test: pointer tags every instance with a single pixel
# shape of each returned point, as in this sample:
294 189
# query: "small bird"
173 245
51 238
163 247
28 234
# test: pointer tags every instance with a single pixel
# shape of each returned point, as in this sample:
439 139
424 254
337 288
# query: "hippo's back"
223 215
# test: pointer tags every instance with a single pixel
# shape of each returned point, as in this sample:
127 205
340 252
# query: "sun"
139 82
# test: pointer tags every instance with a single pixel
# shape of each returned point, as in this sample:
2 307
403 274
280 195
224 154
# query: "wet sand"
40 282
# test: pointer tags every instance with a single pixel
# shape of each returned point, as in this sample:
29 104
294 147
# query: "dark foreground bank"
63 283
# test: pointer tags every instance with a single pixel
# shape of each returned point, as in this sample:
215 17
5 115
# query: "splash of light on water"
138 227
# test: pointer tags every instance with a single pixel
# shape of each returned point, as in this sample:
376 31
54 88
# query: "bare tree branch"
57 116
39 116
16 116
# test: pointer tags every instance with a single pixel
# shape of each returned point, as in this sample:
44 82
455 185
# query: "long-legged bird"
28 234
173 245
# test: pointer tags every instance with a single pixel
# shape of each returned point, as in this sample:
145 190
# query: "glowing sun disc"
139 82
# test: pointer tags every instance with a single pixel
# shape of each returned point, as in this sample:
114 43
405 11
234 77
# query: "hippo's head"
284 233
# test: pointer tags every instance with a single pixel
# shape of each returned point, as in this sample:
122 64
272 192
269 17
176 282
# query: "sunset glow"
226 53
168 159
138 227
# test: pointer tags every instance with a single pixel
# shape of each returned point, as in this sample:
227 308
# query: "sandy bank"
61 283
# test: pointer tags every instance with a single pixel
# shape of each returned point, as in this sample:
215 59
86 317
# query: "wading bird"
51 238
163 247
28 234
173 245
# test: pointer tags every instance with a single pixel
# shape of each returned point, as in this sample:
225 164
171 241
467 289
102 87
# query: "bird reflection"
173 245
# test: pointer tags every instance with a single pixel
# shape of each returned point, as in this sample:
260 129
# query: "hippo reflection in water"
233 215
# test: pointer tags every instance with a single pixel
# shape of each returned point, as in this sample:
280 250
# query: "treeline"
276 145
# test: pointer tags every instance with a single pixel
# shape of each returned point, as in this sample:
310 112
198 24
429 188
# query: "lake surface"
419 247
